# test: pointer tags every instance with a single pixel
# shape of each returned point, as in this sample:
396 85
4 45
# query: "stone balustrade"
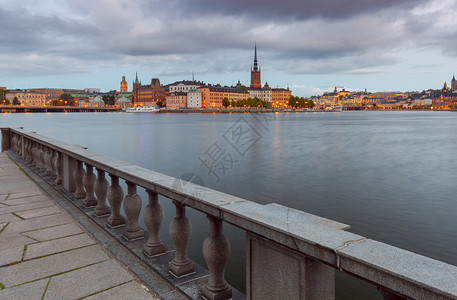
290 254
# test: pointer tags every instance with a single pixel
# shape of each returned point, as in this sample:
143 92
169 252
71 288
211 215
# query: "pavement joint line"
7 197
110 288
2 286
23 253
60 252
3 227
16 215
5 204
46 288
58 238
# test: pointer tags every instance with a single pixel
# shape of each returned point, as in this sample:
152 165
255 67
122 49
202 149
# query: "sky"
310 46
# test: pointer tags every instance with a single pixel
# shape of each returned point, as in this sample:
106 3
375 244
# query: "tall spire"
256 69
136 79
193 77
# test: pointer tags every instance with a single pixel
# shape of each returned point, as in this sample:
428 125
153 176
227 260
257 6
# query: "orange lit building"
27 98
280 97
177 100
212 95
54 94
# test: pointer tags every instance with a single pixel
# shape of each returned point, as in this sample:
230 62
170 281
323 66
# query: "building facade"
184 86
280 97
176 100
147 95
194 98
54 94
27 98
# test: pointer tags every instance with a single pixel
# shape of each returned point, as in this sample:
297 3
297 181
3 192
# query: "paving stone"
54 232
29 214
12 240
29 291
33 192
89 280
51 265
38 223
11 255
23 207
58 245
129 291
25 200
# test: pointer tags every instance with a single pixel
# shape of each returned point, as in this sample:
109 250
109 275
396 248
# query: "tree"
109 99
7 102
67 99
15 101
160 103
225 102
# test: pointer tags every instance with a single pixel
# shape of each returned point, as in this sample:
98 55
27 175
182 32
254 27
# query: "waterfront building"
54 94
147 95
96 102
212 95
123 85
255 72
184 85
265 93
280 97
194 98
82 99
92 90
123 102
27 98
176 100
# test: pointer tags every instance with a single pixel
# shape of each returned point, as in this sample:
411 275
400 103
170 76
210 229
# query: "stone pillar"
101 190
58 166
89 182
34 154
42 158
53 165
28 151
153 217
115 195
276 272
216 250
180 232
38 156
47 160
132 208
68 168
78 175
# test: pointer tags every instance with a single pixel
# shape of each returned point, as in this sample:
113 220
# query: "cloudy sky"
306 44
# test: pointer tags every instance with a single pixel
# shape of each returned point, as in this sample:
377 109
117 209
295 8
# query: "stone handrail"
290 254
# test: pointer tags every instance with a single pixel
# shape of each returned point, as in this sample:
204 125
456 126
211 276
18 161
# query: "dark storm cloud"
292 9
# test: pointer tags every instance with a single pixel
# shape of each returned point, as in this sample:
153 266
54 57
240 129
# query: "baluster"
35 154
180 232
101 190
13 142
38 156
153 217
42 158
47 160
115 196
29 151
132 208
53 164
89 182
58 164
24 152
78 174
216 250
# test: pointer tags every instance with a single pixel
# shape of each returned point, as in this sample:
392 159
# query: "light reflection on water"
390 175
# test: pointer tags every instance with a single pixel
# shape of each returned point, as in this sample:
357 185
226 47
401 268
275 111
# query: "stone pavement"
46 254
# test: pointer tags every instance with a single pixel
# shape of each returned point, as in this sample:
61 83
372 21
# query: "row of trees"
300 102
250 102
7 102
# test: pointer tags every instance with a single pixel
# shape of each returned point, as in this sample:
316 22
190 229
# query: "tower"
123 85
453 84
255 72
136 85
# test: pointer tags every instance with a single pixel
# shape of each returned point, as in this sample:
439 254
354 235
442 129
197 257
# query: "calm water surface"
390 175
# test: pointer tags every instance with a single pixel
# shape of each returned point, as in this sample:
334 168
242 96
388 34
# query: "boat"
142 109
338 108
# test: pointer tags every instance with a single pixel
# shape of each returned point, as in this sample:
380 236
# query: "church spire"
256 69
136 79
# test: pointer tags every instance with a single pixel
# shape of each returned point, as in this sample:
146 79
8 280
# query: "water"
390 175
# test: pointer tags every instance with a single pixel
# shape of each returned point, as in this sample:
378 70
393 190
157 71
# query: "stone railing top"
395 269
